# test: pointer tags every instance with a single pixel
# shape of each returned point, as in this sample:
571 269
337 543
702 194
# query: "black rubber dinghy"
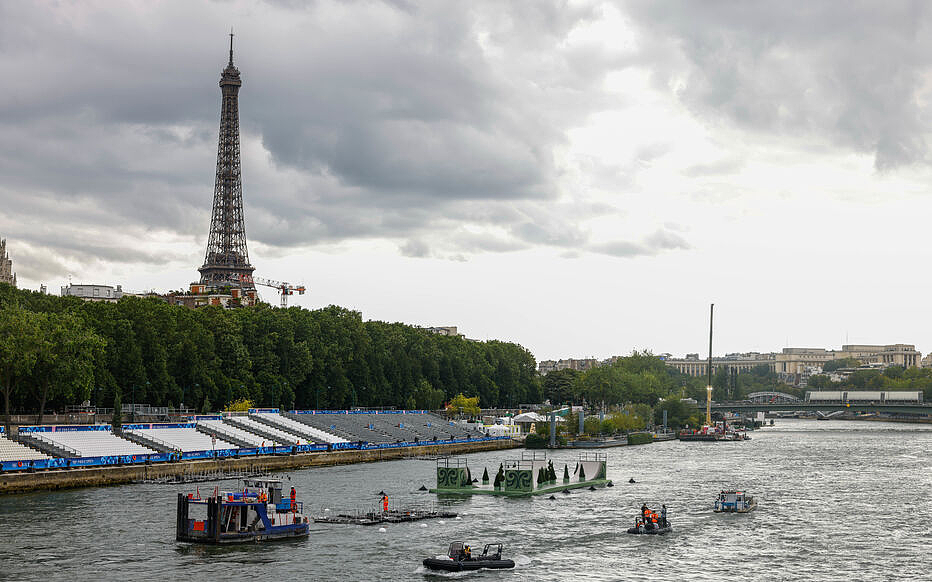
656 531
463 565
459 560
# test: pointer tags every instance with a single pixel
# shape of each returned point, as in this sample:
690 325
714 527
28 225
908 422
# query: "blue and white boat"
734 502
257 512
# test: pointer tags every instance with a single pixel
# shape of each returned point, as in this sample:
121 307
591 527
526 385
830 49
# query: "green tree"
66 355
678 412
461 405
832 365
557 386
19 345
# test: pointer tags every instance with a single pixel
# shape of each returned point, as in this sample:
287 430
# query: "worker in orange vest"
294 502
385 503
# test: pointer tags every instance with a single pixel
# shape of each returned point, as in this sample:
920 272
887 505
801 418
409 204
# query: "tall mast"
708 400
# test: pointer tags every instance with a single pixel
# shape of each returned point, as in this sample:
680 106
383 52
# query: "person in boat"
467 553
385 503
294 501
644 511
663 515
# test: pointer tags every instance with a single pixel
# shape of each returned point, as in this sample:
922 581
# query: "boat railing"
450 462
533 455
592 456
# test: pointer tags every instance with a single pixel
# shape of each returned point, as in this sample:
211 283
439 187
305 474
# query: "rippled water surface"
838 501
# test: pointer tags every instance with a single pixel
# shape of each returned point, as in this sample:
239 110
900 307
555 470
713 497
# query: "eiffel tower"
227 260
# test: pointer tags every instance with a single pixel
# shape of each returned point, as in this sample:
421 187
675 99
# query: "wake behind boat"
460 558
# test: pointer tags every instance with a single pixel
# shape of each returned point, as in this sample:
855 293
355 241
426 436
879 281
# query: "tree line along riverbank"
61 350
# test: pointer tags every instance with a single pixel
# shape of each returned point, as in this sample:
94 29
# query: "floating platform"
375 517
533 474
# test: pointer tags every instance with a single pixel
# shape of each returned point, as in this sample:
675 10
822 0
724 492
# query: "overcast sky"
583 178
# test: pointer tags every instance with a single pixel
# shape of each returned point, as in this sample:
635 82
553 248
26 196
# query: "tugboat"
734 502
460 558
257 512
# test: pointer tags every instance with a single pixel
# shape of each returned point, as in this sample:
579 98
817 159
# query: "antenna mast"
708 400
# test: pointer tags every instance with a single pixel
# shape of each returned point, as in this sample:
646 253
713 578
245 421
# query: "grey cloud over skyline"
431 125
381 120
850 74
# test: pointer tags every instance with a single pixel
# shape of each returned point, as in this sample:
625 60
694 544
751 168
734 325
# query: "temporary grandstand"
294 427
258 432
178 439
268 433
13 451
385 427
89 443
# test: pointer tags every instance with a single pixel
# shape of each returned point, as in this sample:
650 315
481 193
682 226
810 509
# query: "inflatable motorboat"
656 531
640 527
460 558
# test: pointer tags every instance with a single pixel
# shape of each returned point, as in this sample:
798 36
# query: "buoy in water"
457 517
441 522
610 484
631 480
326 509
565 492
423 525
381 493
382 530
552 498
591 488
422 488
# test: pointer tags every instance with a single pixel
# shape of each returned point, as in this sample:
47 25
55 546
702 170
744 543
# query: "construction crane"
284 288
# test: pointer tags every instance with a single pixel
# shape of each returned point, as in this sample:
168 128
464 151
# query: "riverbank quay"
64 478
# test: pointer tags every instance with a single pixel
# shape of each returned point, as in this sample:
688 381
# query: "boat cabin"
733 501
258 511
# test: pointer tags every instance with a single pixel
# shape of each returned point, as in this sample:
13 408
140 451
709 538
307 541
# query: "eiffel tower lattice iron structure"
227 260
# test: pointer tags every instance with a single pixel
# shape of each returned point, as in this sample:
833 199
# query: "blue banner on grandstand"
263 410
148 426
66 428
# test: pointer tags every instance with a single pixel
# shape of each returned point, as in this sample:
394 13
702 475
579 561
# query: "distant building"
93 292
6 266
735 363
443 330
200 295
794 361
580 365
796 365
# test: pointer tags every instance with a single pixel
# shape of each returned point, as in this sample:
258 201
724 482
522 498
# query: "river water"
838 500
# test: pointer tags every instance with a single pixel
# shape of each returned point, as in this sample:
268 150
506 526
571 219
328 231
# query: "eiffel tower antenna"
226 261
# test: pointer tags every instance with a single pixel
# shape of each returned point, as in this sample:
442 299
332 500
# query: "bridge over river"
749 407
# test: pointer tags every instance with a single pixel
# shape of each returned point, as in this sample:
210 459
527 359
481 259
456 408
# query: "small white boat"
734 502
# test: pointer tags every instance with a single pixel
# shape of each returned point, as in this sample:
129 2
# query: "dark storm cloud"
397 120
851 74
